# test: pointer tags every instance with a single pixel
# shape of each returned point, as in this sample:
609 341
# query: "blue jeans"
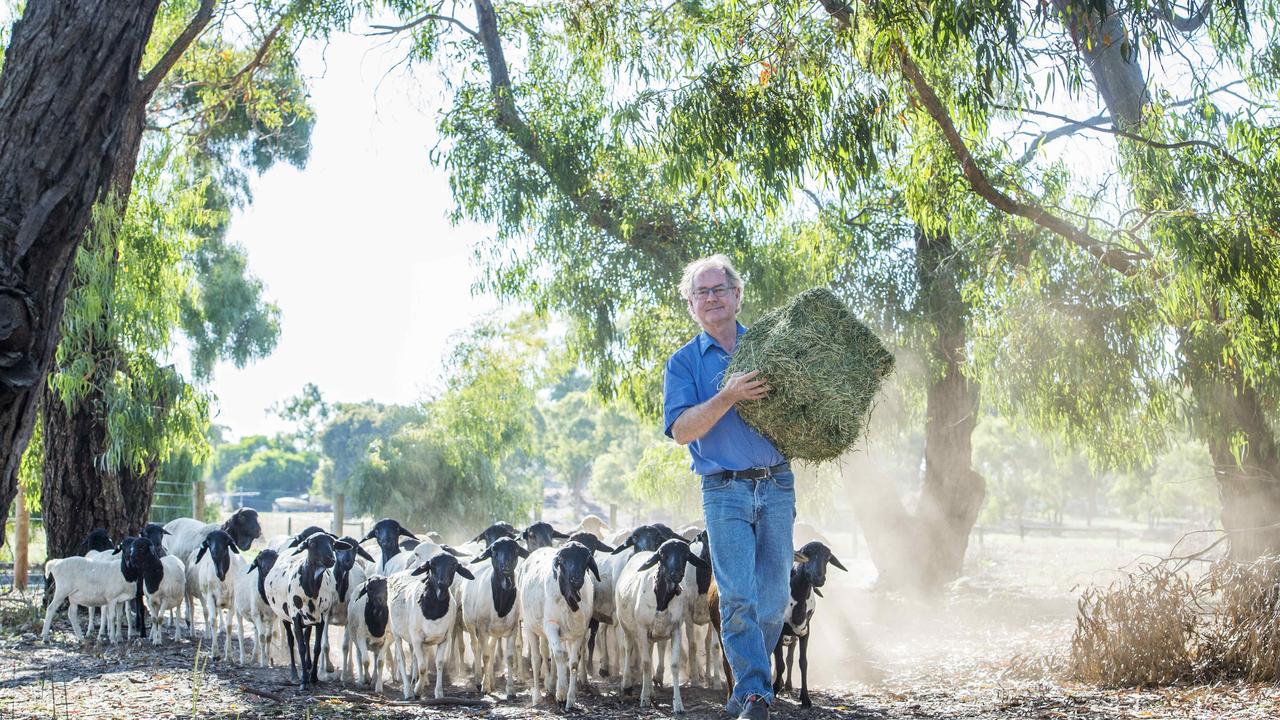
749 527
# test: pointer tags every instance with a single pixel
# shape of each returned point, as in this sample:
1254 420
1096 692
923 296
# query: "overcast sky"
357 251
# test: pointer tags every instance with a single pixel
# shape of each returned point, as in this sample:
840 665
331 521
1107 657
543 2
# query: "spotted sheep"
251 602
556 605
367 630
211 577
808 575
649 609
423 612
489 611
300 590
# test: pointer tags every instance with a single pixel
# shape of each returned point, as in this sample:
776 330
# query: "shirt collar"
705 340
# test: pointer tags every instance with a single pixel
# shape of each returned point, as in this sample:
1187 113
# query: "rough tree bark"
82 494
923 550
70 71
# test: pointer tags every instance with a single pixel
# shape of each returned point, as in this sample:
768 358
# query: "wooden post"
338 502
22 535
288 525
197 500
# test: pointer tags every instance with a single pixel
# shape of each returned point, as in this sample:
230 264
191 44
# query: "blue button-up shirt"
693 376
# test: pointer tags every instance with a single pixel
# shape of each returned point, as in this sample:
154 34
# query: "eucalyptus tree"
156 264
69 77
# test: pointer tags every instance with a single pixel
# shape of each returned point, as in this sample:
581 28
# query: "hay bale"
824 369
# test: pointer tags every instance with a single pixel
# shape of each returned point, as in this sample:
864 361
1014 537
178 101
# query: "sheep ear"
598 545
629 543
298 551
836 561
522 552
203 548
698 562
595 570
406 533
342 545
801 557
363 553
653 560
464 572
453 552
488 553
559 535
368 536
294 542
819 592
363 590
423 568
232 547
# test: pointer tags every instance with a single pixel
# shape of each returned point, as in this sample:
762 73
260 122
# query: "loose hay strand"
824 368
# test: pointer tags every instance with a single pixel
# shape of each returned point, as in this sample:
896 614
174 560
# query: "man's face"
714 301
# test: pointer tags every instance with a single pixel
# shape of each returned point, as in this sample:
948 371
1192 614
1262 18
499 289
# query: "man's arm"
699 419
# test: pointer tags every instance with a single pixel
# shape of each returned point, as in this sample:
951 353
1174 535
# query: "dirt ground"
990 648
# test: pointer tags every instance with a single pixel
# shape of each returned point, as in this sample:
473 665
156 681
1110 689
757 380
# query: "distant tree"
273 472
228 455
309 412
346 439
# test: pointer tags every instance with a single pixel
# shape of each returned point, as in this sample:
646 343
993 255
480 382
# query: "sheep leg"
224 621
73 614
716 677
604 651
561 659
646 667
777 667
577 666
421 670
322 634
677 705
442 655
690 653
791 656
379 657
592 628
804 672
510 643
345 671
293 668
531 642
403 666
661 662
624 644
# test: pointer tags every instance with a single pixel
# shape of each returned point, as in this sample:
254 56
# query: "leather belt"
755 473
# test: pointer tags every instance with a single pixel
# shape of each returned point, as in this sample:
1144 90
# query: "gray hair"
719 261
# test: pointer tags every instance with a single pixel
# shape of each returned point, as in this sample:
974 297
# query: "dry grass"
1158 626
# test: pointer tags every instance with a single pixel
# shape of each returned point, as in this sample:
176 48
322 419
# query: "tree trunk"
78 495
924 550
71 69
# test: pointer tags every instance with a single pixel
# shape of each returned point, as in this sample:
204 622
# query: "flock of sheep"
537 603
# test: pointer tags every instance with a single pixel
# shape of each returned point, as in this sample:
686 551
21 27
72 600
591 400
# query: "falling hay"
824 368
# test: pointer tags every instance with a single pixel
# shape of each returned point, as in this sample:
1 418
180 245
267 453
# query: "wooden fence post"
22 533
197 500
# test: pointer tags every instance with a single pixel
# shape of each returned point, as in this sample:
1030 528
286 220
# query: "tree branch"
1047 137
151 81
393 29
1185 25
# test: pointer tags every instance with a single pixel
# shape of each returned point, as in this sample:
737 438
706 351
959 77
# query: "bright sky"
357 250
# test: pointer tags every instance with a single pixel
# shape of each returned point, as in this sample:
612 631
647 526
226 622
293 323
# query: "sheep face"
320 549
671 558
263 564
540 535
814 565
219 545
569 568
96 541
138 561
590 541
243 527
155 533
495 531
344 560
504 553
440 570
387 533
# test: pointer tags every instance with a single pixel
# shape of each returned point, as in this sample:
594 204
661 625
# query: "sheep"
648 608
186 534
698 615
540 535
593 524
556 606
280 543
251 602
643 538
387 533
210 577
421 552
84 582
160 577
300 591
499 529
600 614
807 576
489 610
366 631
347 575
423 613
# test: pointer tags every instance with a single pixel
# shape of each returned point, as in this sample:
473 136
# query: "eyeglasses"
719 291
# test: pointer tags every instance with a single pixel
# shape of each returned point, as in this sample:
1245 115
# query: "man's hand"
744 386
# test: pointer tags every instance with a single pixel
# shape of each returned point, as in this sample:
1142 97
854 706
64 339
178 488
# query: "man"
748 491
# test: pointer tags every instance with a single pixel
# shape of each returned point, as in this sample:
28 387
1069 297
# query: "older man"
748 491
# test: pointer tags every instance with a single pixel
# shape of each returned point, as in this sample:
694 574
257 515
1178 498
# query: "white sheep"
648 608
87 583
556 606
367 631
490 613
251 603
423 611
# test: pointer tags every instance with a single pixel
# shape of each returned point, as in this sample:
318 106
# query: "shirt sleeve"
679 393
